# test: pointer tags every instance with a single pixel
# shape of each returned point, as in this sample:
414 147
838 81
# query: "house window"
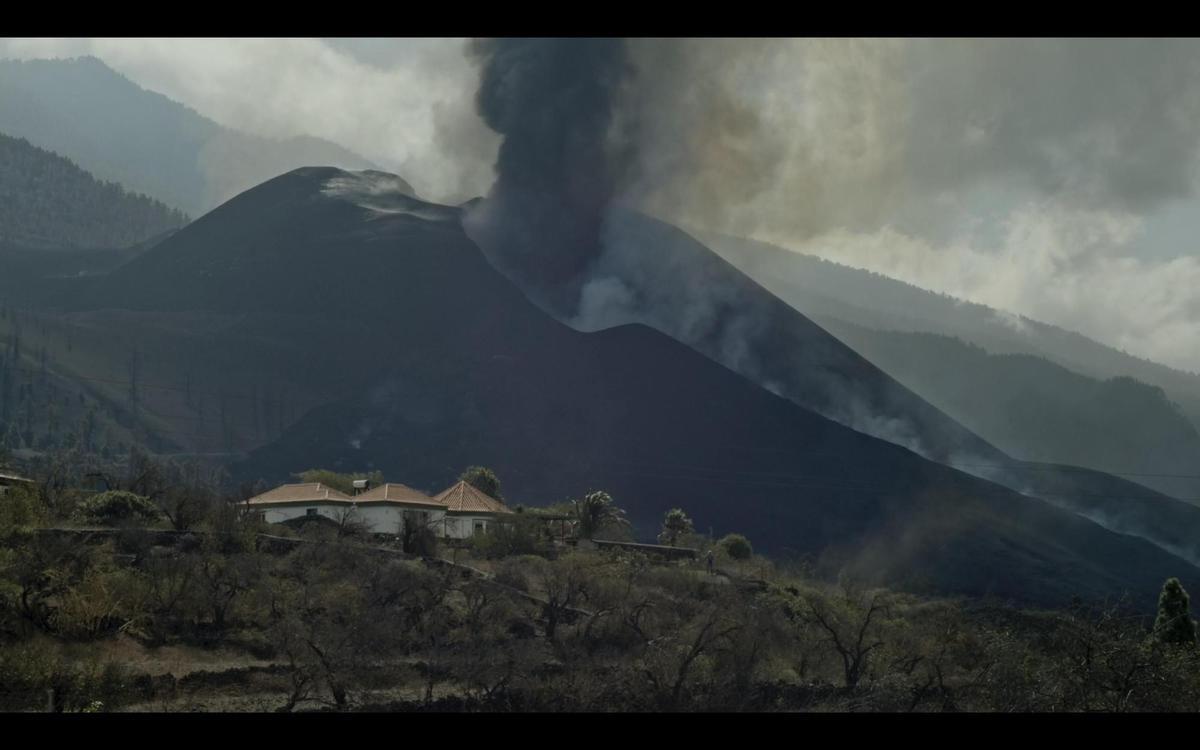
479 526
311 511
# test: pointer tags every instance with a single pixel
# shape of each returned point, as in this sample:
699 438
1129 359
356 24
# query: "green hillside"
48 201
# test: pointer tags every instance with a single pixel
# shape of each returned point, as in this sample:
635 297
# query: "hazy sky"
394 101
1051 178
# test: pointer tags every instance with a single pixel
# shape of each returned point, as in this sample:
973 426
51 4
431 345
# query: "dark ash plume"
589 135
552 101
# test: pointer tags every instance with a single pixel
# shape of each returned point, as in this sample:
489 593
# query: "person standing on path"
709 559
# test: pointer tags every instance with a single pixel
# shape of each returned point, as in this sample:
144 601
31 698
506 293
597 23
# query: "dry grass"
177 660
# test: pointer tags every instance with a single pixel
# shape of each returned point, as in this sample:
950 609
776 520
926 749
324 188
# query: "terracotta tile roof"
397 493
463 498
300 493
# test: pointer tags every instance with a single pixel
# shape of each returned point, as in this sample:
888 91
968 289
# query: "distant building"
456 513
8 479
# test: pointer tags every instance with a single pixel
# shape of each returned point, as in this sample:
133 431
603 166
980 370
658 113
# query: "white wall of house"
281 513
463 526
380 518
386 518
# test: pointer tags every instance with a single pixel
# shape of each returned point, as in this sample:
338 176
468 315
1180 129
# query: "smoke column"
588 136
552 101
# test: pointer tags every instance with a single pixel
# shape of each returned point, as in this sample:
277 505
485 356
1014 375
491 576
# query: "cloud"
804 136
1071 267
406 104
1023 174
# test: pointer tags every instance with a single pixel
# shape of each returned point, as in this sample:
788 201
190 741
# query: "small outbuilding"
8 479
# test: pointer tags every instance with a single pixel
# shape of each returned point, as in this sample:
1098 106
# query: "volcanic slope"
1035 391
437 362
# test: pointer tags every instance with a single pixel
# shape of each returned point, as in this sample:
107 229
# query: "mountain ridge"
47 201
891 322
88 112
489 378
755 255
367 331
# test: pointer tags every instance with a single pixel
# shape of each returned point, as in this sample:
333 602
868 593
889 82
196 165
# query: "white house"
455 513
289 501
388 506
469 510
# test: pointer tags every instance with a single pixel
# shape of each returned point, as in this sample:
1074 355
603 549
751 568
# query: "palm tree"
675 524
594 511
482 479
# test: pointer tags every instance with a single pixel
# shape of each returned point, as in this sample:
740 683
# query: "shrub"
135 541
98 605
35 673
115 507
417 535
736 546
422 542
21 508
676 524
520 534
513 572
232 531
